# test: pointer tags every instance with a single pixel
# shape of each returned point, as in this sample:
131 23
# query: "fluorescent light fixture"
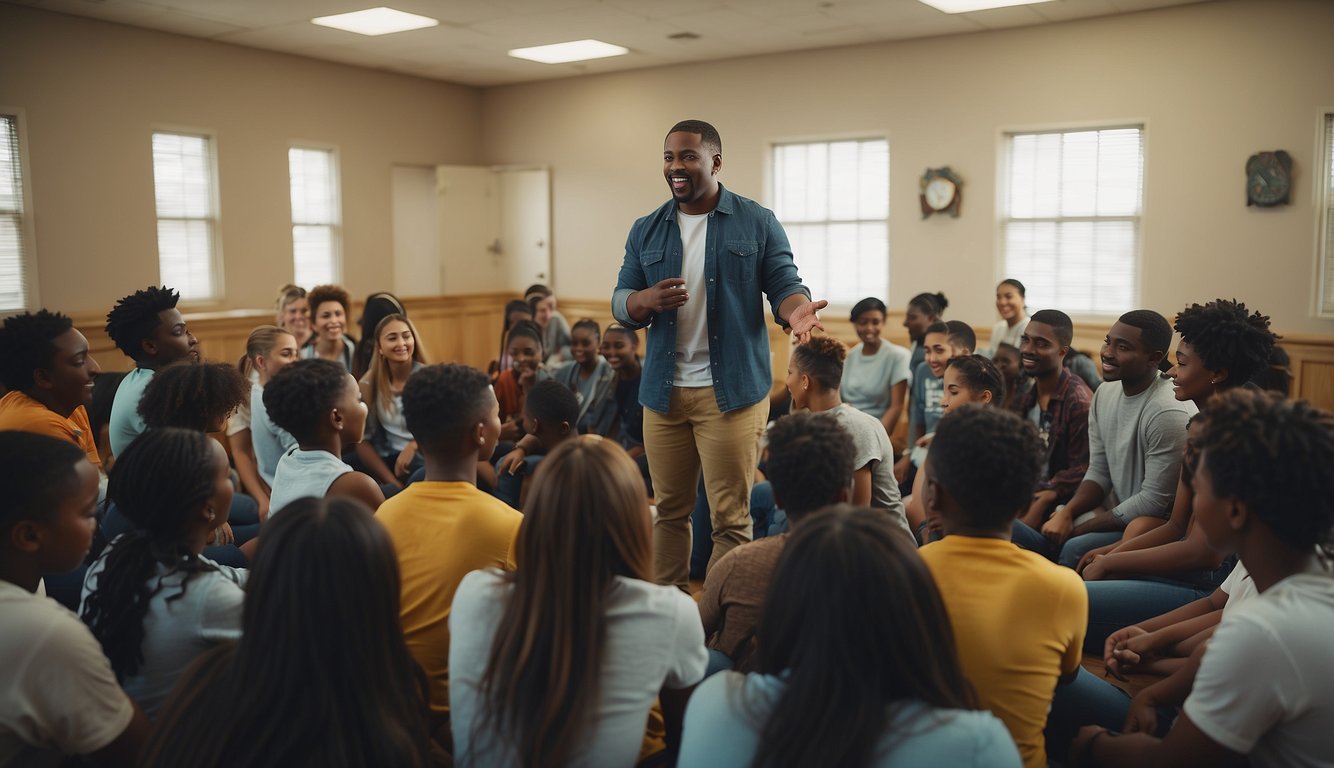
968 6
375 21
564 53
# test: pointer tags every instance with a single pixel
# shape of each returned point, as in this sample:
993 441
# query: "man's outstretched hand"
805 319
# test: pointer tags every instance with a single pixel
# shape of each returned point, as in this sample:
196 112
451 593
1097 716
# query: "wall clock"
942 192
1268 178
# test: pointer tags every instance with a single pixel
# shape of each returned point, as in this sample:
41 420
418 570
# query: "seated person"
1018 619
268 350
148 328
621 417
515 310
1264 690
46 368
60 695
588 374
1017 384
857 666
444 526
389 453
942 341
1137 432
810 458
350 696
875 373
1058 405
374 310
152 599
524 345
556 337
318 403
559 662
550 412
330 306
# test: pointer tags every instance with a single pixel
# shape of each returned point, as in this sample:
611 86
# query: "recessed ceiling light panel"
968 6
564 53
375 21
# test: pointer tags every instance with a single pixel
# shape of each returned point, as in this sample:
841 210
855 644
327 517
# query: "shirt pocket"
739 261
654 267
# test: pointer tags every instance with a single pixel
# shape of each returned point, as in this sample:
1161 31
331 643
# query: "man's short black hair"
708 135
810 460
552 403
1226 335
38 470
961 334
302 393
1154 330
135 317
989 461
442 402
27 342
1059 322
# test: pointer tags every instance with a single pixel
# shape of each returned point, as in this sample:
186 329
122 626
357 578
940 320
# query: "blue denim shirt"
746 253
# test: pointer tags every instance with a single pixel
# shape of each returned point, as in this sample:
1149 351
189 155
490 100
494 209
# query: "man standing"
693 273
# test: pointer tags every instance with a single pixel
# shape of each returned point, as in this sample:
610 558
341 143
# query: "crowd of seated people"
337 552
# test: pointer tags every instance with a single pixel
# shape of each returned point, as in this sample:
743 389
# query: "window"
1070 218
187 213
16 268
315 237
1326 243
833 200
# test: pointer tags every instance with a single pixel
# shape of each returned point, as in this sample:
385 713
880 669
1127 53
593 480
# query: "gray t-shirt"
270 440
868 379
654 638
871 447
178 627
1135 448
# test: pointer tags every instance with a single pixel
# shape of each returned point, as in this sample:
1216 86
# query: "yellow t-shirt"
441 532
1019 622
21 413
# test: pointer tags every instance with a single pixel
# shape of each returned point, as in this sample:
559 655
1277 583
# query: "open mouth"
1029 362
679 182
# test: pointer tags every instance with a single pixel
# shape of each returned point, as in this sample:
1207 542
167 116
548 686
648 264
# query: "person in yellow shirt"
443 527
1018 619
48 372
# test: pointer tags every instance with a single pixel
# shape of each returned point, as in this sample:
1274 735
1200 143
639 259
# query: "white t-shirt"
58 695
692 319
1238 586
178 627
1266 683
654 638
1004 333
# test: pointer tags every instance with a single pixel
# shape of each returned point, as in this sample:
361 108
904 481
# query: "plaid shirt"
1067 436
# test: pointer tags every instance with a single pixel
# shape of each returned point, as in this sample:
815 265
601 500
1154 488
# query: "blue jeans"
509 487
1120 603
1078 546
762 515
1085 701
1026 537
718 662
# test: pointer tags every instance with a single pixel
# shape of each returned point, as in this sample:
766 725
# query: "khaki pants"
692 432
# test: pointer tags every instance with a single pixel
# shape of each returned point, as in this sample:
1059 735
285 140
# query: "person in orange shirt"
48 372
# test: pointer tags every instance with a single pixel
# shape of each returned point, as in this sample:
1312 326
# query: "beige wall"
1213 83
93 92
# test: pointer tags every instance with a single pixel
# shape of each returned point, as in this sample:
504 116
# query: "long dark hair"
321 675
586 521
157 483
854 623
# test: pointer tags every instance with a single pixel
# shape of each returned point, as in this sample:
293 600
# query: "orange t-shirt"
21 413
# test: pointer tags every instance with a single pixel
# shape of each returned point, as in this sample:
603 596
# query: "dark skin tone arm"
1061 526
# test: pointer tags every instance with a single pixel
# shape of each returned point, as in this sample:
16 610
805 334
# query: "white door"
471 258
525 226
416 231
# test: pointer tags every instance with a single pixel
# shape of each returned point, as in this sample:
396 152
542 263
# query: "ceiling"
469 46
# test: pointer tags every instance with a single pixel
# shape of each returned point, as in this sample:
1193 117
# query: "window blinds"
186 214
315 237
14 289
1071 218
833 201
1327 231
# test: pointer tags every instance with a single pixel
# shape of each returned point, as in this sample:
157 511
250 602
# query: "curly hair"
708 135
134 318
303 393
980 375
441 402
552 403
39 471
989 460
198 396
1273 455
821 358
930 304
810 459
322 293
1225 335
1154 332
27 342
158 483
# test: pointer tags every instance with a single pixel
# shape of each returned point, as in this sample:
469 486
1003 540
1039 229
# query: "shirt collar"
725 204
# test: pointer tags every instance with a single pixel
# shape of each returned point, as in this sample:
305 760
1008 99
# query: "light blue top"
727 710
270 440
304 473
747 258
869 379
126 423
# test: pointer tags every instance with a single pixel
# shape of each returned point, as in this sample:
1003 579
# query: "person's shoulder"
953 736
1163 399
479 588
656 215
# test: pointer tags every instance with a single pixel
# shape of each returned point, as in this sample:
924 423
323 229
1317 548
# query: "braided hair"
157 483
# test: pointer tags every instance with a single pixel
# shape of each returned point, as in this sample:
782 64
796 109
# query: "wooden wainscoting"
467 329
